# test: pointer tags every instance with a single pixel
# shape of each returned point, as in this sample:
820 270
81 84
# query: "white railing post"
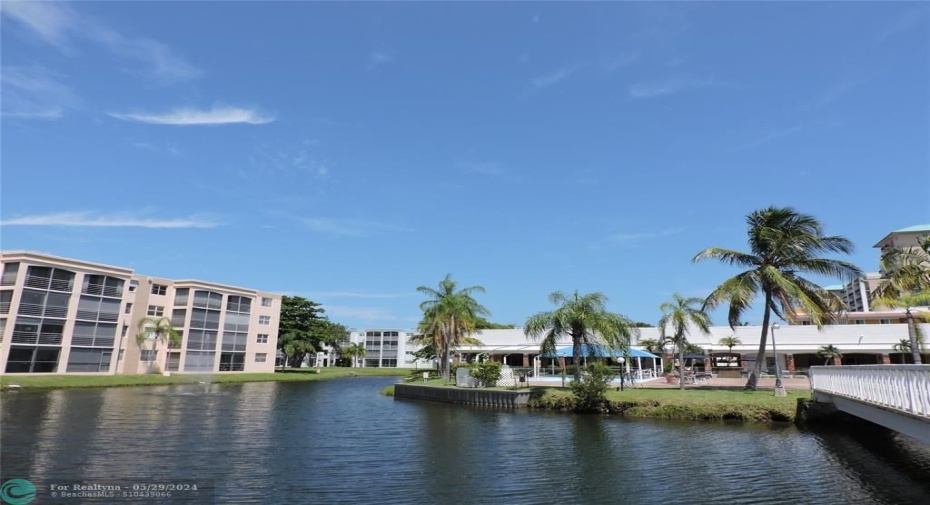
902 387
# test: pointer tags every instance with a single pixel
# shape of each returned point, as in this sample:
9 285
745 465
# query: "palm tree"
652 345
448 316
356 351
157 329
678 315
729 342
906 271
783 244
903 347
830 352
914 332
585 319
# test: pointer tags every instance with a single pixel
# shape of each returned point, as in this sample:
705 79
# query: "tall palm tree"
448 316
157 329
915 333
830 352
783 244
356 351
678 315
586 320
906 271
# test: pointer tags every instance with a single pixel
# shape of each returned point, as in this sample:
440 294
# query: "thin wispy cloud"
772 136
672 86
365 314
90 219
555 77
190 116
614 63
60 25
280 158
350 227
906 22
379 58
487 168
838 91
149 146
34 93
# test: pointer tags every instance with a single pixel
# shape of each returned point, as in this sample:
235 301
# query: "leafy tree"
354 351
157 329
487 373
585 319
915 333
589 393
677 316
295 346
483 324
730 342
829 352
640 324
303 329
906 271
448 316
783 243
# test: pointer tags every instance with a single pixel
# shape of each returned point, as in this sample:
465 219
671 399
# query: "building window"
264 320
859 321
128 308
119 357
156 311
125 331
159 289
266 302
147 355
261 357
262 338
884 321
133 285
805 323
180 296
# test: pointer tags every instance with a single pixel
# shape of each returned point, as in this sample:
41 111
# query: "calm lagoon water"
342 442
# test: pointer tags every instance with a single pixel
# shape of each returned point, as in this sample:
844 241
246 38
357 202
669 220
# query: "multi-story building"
387 347
904 239
60 315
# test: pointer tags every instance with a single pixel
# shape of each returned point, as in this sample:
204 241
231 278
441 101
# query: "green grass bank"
51 381
697 404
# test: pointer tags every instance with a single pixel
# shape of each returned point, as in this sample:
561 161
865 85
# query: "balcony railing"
35 281
32 337
81 341
90 315
100 289
5 308
8 279
34 309
898 387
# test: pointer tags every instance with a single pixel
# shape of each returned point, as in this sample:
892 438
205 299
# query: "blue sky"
351 152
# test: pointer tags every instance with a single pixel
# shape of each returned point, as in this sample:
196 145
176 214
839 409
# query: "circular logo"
17 492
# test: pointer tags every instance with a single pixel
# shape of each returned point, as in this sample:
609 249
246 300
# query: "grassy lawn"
703 403
289 375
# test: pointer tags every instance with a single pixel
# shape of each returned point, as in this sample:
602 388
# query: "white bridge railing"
899 387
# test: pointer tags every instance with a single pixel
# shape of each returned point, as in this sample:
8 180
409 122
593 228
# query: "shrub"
589 392
487 373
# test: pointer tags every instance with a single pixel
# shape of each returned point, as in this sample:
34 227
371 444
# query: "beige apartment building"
60 315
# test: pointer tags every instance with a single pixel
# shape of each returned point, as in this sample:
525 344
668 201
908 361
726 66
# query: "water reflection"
342 442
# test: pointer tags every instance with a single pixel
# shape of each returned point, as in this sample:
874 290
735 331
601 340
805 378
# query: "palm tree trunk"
753 380
681 362
576 355
912 335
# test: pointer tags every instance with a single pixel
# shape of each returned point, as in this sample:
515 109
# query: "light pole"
779 387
